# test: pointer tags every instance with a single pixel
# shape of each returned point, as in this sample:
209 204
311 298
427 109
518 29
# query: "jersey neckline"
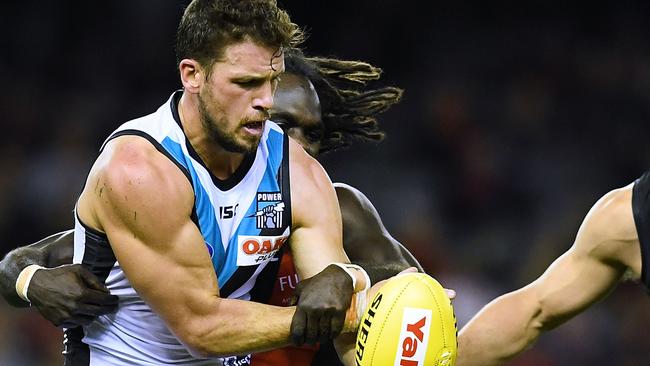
222 184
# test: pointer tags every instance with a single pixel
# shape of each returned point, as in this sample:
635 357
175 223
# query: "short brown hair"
208 26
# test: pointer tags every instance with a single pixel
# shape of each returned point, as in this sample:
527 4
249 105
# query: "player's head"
230 53
324 103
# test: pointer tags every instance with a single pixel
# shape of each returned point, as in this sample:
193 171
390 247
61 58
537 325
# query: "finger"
298 323
408 270
91 280
325 327
99 298
451 294
92 310
293 301
336 324
313 325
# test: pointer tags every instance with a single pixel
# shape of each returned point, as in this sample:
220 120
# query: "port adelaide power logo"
269 210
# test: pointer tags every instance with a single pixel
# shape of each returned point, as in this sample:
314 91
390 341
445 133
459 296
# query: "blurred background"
514 122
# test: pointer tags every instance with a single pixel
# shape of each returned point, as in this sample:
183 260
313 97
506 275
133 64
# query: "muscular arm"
143 203
366 240
316 242
605 247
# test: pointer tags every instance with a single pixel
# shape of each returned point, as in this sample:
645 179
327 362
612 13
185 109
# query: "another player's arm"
65 294
143 202
605 248
52 251
365 238
324 290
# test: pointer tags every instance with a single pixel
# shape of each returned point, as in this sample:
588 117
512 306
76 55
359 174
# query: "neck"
221 163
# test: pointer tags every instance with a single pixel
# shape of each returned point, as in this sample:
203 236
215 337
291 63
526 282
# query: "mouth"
254 127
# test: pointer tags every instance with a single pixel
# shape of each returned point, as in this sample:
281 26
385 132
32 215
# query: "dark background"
514 122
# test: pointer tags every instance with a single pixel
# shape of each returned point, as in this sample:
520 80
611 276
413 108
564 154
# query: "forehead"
248 57
296 95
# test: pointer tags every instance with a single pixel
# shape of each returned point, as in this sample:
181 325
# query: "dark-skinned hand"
70 295
322 303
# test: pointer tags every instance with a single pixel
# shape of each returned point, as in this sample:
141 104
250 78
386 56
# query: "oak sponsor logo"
253 250
414 337
364 329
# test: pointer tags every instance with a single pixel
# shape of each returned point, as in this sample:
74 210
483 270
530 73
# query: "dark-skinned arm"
365 238
65 294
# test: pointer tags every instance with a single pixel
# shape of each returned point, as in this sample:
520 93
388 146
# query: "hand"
322 303
70 295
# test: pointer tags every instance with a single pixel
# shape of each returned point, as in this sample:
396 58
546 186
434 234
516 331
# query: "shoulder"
608 232
131 174
355 206
611 216
351 196
306 172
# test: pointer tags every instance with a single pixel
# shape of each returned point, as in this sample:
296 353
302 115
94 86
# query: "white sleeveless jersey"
244 220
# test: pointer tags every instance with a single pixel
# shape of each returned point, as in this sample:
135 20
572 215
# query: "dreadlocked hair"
349 109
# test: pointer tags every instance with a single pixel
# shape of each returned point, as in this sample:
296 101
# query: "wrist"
360 279
24 279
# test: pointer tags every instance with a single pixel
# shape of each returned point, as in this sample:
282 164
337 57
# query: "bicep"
143 203
316 239
173 275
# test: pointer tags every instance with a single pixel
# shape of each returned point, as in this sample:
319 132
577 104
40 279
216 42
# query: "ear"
192 75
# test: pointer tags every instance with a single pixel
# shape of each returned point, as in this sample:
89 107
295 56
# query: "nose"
263 101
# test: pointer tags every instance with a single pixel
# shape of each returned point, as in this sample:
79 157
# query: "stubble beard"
217 135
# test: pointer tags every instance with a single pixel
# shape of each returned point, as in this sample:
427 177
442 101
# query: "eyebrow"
254 77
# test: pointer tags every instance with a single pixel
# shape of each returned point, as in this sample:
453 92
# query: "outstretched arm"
605 248
365 238
65 294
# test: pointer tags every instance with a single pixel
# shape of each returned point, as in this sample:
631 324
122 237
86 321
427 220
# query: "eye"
282 122
248 84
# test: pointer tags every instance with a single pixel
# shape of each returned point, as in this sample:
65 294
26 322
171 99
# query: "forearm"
236 327
11 266
40 253
502 329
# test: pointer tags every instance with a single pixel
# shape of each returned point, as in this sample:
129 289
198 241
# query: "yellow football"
409 322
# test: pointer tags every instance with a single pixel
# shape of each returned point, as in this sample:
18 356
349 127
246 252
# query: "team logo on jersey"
269 210
254 250
414 337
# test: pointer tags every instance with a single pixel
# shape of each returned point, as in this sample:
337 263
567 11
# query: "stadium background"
515 120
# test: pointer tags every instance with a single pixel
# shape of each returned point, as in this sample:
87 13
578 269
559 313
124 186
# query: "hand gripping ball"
409 322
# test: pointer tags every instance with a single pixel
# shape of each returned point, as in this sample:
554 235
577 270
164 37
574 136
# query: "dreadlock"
349 110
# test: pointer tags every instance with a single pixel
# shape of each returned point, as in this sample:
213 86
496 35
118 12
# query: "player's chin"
249 143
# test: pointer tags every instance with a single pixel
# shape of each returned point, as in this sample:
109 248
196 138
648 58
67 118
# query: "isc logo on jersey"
414 337
253 250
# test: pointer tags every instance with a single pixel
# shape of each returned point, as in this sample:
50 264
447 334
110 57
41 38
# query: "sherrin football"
409 322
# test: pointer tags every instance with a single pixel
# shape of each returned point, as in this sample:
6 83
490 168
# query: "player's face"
297 110
237 96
